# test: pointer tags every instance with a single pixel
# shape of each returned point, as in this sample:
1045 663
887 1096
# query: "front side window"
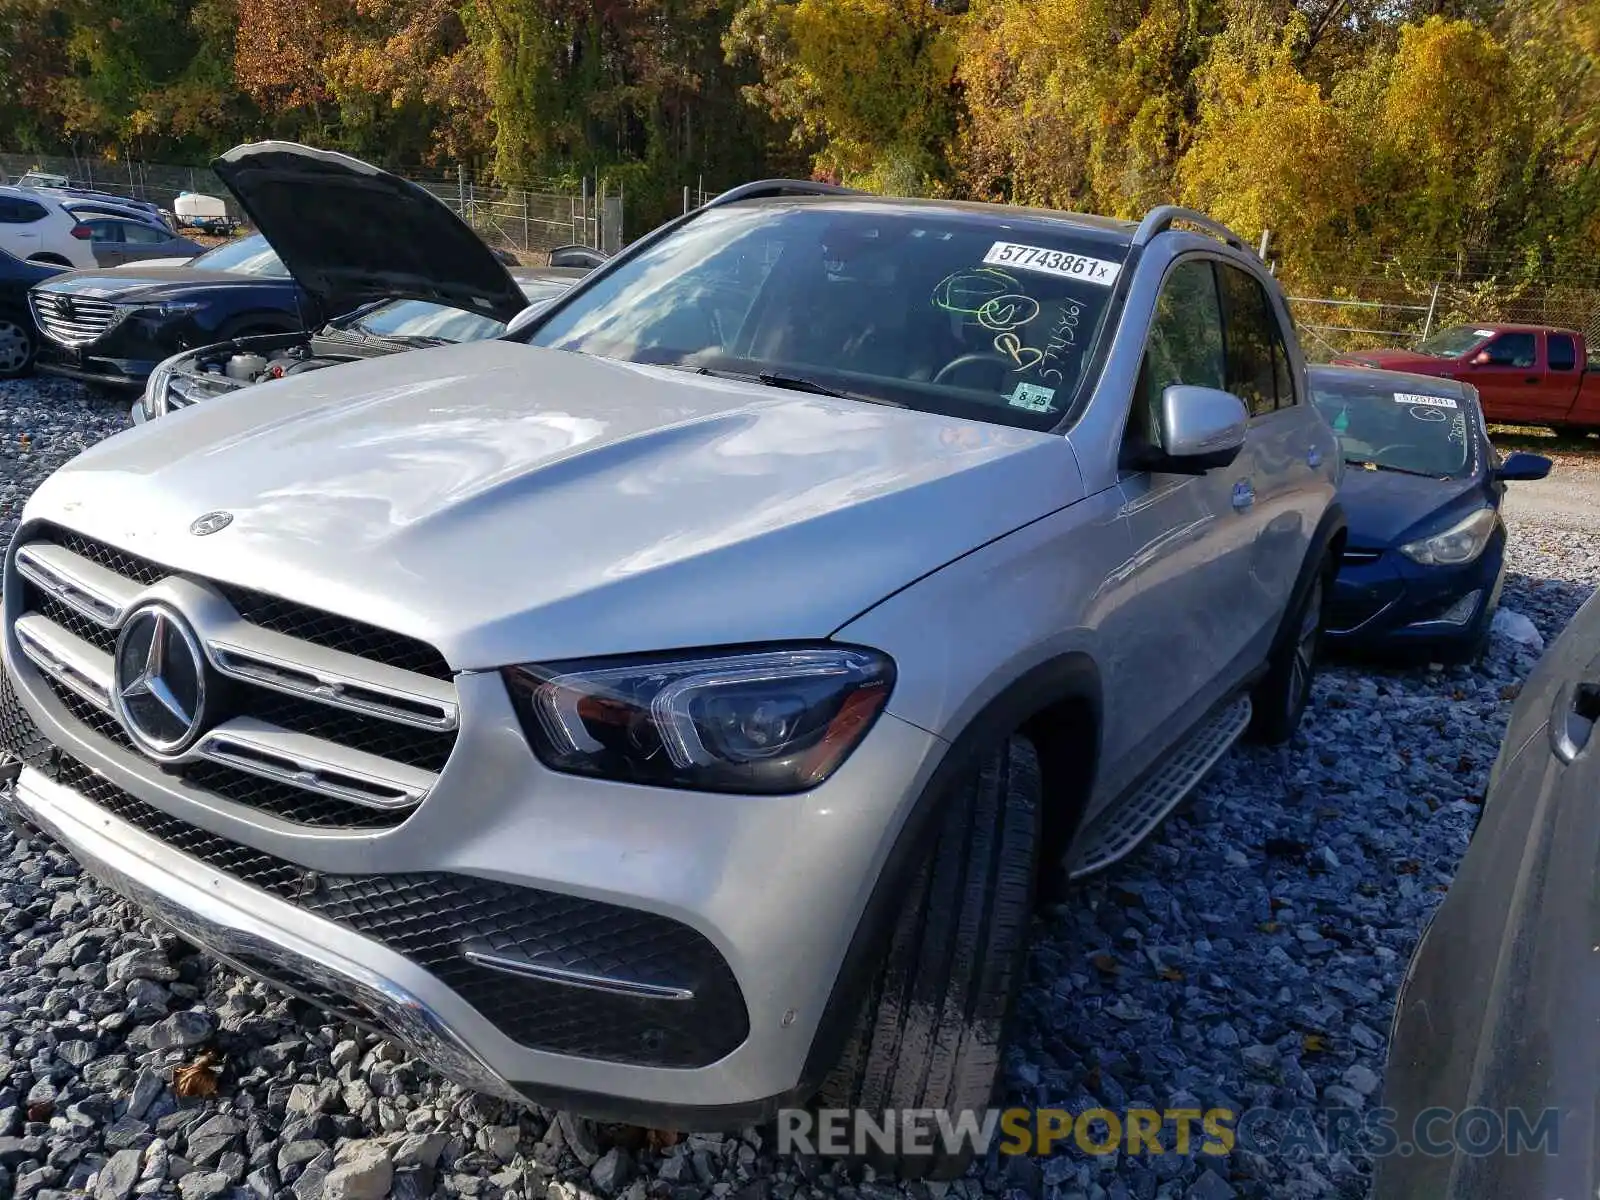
104 231
1513 350
1413 433
1254 342
939 311
142 235
1184 346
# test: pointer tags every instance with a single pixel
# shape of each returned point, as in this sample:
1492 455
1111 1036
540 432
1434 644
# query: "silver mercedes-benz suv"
672 708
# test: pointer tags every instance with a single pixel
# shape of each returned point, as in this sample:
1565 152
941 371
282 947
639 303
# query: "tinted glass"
1563 352
1453 342
420 319
1282 373
1252 334
16 211
104 231
536 291
247 256
1405 431
944 312
1513 350
144 235
1184 346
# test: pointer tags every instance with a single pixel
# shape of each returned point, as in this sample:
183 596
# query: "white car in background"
38 228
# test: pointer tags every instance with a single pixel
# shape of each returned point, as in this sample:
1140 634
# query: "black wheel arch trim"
1071 677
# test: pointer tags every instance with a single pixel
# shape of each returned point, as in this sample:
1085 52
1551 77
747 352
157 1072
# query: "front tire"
17 346
1280 700
932 1031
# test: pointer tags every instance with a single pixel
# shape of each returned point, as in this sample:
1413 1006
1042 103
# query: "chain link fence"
1378 310
527 221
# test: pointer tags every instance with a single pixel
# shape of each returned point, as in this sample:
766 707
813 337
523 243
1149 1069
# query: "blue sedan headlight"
1460 544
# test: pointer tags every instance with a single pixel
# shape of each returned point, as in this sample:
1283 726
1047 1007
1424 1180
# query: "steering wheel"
968 360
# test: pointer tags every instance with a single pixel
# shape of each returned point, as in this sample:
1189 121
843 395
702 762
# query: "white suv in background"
39 228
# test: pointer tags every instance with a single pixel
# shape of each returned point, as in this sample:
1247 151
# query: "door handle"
1572 719
1530 379
1244 495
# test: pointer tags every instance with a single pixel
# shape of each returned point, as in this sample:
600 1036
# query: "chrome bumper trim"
242 924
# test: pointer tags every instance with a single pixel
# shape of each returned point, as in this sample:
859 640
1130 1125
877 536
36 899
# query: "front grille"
72 320
431 917
393 759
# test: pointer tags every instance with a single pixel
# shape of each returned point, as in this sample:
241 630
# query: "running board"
1119 829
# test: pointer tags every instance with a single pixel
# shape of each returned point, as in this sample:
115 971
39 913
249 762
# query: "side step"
1117 831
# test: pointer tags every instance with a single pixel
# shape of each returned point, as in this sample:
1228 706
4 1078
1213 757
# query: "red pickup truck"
1525 374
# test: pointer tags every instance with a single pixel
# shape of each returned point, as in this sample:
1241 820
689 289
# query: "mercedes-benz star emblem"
209 523
159 681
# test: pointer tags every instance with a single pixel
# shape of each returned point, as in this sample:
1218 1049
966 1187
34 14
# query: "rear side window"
1512 350
1258 364
14 211
1563 352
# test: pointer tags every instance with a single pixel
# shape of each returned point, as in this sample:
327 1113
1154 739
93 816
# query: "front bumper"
1393 603
256 933
93 368
772 887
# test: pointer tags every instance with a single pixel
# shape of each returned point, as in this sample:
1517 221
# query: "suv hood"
351 234
510 504
149 284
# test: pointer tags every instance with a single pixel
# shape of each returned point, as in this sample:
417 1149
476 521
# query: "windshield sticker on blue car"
1434 415
1031 397
1053 262
1430 401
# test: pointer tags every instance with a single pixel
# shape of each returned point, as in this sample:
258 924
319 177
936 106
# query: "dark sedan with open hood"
340 235
1422 488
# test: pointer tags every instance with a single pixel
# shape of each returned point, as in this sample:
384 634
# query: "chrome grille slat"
314 764
66 658
359 760
99 594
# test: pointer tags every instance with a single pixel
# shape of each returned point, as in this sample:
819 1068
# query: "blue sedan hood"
1386 507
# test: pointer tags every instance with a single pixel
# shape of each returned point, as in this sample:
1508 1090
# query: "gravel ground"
1245 958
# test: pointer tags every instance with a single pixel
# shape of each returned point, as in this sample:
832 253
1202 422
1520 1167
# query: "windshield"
1406 431
420 319
247 256
948 312
1453 342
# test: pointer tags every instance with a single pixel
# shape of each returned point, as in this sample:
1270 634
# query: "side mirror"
1201 427
1522 468
526 317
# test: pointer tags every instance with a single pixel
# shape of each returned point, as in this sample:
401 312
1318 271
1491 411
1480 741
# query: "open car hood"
351 234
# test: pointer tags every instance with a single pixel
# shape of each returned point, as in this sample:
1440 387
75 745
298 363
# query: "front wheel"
931 1033
17 346
1281 698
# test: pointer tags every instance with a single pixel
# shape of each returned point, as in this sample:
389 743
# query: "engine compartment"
229 367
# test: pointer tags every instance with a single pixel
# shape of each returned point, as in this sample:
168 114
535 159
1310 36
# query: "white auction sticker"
1430 401
1483 333
1052 262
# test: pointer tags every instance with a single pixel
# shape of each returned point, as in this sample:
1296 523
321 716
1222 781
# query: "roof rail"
1159 220
779 187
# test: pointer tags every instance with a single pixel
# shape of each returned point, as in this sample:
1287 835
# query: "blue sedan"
1422 487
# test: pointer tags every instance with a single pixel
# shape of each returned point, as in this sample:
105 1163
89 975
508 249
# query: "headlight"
770 721
161 308
1461 543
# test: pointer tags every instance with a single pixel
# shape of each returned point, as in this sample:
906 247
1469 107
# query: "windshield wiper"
795 383
1373 465
413 339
